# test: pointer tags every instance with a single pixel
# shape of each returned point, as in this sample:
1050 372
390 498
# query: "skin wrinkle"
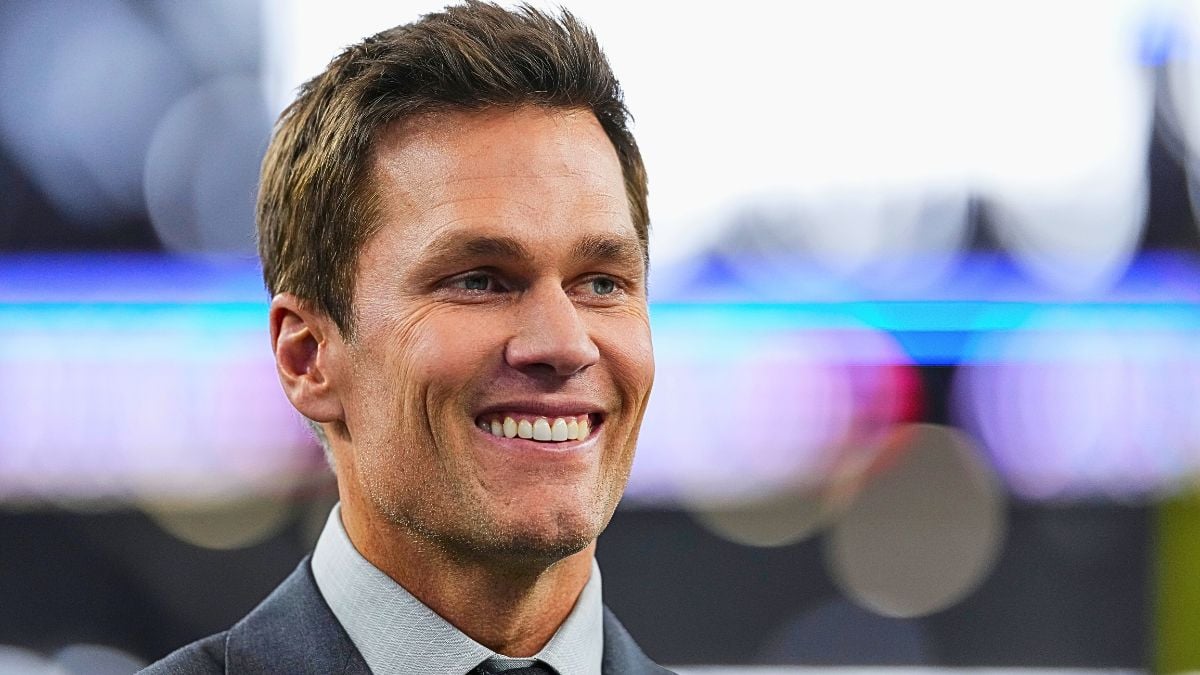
473 531
475 252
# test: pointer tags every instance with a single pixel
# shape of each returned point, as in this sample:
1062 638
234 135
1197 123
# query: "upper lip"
554 408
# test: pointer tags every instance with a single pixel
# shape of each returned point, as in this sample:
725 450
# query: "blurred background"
926 302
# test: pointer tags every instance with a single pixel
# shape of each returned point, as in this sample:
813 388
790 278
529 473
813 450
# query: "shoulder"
291 631
202 656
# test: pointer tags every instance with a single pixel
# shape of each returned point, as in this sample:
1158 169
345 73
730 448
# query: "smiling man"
453 227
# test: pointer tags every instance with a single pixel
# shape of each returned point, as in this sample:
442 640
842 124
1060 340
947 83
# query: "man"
453 227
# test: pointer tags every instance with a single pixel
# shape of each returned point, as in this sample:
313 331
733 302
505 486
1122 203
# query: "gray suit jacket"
293 631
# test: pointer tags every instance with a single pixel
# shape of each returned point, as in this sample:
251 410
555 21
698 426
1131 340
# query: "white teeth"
542 429
559 432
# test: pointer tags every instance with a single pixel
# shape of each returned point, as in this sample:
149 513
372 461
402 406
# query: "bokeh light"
901 242
155 400
19 661
202 167
1070 408
776 518
1062 168
766 411
235 521
864 212
61 62
925 529
91 659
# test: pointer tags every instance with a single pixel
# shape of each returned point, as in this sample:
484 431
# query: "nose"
551 336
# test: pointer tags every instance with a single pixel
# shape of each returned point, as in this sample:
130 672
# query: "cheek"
631 355
436 355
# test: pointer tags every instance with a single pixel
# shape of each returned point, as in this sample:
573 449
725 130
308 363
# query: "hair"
316 208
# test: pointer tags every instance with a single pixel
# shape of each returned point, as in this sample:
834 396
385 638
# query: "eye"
603 286
476 281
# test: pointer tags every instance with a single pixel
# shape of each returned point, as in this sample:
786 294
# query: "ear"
307 345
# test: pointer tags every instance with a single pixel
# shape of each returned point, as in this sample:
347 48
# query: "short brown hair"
315 208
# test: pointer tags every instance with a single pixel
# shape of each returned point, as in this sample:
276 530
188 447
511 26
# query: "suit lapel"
622 656
292 631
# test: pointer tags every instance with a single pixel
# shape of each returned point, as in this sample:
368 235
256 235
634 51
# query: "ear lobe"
305 355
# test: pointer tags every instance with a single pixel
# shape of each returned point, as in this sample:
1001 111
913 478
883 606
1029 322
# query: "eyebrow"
592 248
602 248
454 247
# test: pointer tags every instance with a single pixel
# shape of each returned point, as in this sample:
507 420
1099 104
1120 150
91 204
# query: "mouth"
548 429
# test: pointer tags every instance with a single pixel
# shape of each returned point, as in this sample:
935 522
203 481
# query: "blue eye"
603 286
477 282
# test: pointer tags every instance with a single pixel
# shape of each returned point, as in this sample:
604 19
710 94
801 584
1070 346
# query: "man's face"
505 283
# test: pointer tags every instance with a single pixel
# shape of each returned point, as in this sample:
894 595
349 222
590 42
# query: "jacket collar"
293 630
621 654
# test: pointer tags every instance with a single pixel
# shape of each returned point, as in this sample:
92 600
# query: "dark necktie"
491 667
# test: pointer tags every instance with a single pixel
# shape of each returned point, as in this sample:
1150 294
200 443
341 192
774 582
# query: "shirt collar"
396 633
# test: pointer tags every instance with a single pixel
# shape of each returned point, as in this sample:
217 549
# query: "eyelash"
461 281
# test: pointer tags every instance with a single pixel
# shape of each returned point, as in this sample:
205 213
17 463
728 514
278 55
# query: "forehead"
476 164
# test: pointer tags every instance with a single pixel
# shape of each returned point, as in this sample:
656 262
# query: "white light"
202 167
924 531
83 86
1045 110
226 523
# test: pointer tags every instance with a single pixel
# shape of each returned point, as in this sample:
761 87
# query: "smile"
542 429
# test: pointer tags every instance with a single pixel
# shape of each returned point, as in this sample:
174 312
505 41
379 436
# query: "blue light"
145 293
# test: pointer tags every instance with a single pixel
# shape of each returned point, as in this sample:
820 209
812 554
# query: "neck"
512 607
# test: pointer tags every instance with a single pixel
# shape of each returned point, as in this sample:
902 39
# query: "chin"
546 539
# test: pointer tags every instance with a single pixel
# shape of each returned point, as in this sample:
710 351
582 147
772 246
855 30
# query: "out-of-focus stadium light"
123 370
140 377
814 406
816 100
20 661
926 528
901 241
1065 109
93 659
806 403
224 523
1069 407
62 63
771 518
202 167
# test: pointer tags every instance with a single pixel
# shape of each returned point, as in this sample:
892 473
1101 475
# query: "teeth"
559 432
556 430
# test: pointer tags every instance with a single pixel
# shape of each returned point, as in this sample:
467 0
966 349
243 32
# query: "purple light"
1068 414
768 411
83 421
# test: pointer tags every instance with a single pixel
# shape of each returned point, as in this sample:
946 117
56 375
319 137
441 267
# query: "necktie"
492 667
